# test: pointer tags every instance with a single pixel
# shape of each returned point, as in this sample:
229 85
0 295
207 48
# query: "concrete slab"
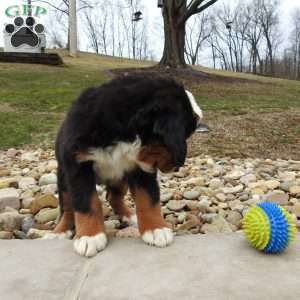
37 269
195 267
211 267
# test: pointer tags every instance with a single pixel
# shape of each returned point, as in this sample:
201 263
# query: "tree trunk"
29 9
73 28
214 55
173 55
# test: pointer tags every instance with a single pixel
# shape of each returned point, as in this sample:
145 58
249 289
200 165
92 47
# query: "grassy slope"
266 111
33 97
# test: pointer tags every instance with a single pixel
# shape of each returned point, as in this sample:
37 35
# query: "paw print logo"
24 32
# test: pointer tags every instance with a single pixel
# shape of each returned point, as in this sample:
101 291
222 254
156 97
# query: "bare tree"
219 52
63 7
253 37
197 33
295 43
92 32
175 15
269 22
231 24
57 35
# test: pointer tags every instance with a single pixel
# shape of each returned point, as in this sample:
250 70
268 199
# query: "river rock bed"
207 195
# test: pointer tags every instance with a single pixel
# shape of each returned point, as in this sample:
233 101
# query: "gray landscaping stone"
10 221
276 197
6 235
27 183
20 235
176 205
218 225
295 190
221 197
49 188
285 186
48 179
29 156
11 152
9 197
215 183
233 190
27 223
234 175
203 205
128 232
166 197
26 203
208 218
43 201
234 218
191 195
46 215
52 165
248 178
34 233
296 210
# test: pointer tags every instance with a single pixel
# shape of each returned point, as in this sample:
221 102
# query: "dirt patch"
5 108
262 135
187 76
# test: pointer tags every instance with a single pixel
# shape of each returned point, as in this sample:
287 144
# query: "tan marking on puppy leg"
91 223
148 215
115 197
156 156
66 221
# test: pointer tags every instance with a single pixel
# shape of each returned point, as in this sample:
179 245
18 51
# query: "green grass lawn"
34 98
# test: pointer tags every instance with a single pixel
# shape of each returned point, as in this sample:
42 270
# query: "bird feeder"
160 3
228 25
137 16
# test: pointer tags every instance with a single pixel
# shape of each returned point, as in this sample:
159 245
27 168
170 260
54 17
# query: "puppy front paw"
90 245
58 236
160 237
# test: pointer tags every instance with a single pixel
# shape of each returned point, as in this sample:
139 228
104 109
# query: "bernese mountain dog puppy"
119 135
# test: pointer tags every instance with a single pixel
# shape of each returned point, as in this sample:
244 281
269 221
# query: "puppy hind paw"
90 245
67 235
161 237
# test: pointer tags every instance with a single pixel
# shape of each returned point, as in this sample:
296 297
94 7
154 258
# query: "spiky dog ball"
269 227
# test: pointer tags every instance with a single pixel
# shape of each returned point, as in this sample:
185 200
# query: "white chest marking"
111 163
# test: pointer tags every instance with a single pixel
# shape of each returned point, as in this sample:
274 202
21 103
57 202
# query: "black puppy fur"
156 109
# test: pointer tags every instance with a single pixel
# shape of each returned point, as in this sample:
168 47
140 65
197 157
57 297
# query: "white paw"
67 235
132 220
90 245
161 237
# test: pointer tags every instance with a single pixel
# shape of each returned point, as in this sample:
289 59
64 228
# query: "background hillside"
249 115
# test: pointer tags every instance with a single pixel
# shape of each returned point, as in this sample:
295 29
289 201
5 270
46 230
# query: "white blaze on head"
197 110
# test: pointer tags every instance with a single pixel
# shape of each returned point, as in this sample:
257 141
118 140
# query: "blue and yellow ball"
269 227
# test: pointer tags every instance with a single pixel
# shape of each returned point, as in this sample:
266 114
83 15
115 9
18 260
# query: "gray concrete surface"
210 267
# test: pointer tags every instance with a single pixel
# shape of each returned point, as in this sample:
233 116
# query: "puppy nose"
176 169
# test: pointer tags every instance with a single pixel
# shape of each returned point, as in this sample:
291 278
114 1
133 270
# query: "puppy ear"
172 133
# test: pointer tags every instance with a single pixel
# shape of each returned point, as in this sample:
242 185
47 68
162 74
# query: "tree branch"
53 6
195 7
182 2
205 6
